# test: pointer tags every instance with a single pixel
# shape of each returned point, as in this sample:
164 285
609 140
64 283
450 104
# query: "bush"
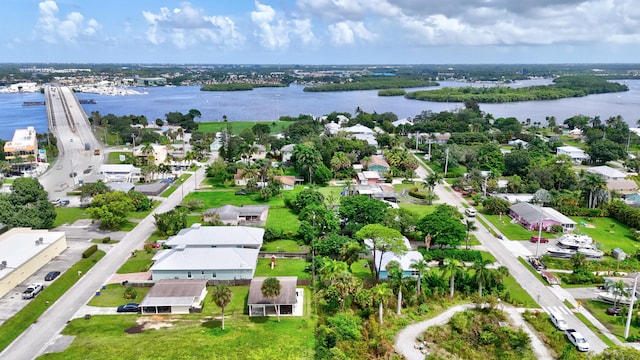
106 240
90 251
271 234
130 293
414 192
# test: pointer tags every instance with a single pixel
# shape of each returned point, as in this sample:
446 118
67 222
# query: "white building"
577 155
120 172
159 152
22 151
607 173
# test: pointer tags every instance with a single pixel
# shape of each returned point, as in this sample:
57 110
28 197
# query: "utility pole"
633 297
446 161
539 232
416 141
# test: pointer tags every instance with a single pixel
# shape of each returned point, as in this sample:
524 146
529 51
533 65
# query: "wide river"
267 104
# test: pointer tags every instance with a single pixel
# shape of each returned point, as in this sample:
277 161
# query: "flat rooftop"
18 246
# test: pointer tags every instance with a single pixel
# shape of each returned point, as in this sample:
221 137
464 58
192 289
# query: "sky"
320 31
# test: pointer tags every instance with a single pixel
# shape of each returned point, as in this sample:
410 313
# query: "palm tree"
452 269
394 269
579 261
470 225
346 284
591 183
271 289
350 253
483 274
502 273
221 295
430 182
381 292
619 289
421 267
331 269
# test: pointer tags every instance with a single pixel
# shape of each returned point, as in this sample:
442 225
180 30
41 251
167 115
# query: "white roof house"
159 152
120 172
358 129
332 128
577 155
221 263
405 261
607 173
404 121
217 237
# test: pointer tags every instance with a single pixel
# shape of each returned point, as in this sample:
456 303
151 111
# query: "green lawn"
595 330
238 126
283 219
615 324
194 336
420 209
170 190
114 156
608 237
518 294
113 296
139 263
511 231
282 245
284 267
14 326
360 269
68 215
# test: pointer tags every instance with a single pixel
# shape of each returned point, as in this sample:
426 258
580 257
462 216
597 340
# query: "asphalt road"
540 292
44 333
68 122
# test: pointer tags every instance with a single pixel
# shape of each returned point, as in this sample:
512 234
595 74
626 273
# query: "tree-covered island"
562 87
372 83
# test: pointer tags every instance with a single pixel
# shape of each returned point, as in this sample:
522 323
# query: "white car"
577 339
470 212
32 290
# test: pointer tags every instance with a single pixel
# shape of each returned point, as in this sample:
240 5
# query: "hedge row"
414 192
583 211
90 251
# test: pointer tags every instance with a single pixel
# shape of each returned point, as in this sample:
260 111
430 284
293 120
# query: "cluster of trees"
372 83
27 205
112 208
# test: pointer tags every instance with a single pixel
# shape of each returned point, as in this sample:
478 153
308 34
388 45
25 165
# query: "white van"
470 212
558 321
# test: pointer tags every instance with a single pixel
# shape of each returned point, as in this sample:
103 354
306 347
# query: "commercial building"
22 151
24 251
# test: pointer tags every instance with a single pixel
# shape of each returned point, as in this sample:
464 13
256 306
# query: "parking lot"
79 237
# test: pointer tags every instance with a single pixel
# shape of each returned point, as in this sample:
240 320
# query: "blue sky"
320 31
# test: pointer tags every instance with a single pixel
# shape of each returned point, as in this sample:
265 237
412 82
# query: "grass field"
194 336
238 126
284 267
69 215
361 270
14 326
609 233
282 245
113 296
170 190
139 263
510 230
615 324
114 157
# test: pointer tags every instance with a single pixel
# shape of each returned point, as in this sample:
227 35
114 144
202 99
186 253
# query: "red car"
534 239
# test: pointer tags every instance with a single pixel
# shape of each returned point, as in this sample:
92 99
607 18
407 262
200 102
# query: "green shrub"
130 293
90 251
458 254
106 240
414 192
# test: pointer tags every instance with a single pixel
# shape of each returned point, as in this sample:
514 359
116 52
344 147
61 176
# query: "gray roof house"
238 215
607 172
217 237
171 296
287 302
530 216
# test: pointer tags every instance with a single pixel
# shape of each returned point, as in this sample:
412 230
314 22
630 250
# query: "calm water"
268 103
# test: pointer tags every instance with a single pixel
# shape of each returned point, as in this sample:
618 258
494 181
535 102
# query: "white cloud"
188 27
73 28
275 32
346 33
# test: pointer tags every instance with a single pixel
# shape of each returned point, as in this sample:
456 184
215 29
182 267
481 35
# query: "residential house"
405 261
515 198
332 128
383 192
377 163
288 182
159 152
210 253
441 138
518 142
289 302
361 132
577 155
607 173
403 122
369 178
216 145
120 173
623 186
175 296
245 215
239 178
287 152
531 216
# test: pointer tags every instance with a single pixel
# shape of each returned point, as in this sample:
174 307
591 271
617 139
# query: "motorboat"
613 297
591 251
573 241
560 252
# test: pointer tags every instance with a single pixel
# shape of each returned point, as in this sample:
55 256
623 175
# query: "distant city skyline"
320 31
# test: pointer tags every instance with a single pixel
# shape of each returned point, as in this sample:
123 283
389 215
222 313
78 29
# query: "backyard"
608 232
194 336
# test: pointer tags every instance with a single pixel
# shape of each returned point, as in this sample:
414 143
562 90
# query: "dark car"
534 239
51 275
130 307
616 311
64 202
241 192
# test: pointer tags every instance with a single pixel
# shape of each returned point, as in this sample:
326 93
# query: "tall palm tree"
421 267
470 226
619 289
452 269
346 284
350 253
579 261
271 289
394 269
381 292
331 269
483 274
591 183
502 273
221 295
430 183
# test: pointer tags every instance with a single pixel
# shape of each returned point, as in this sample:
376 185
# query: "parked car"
470 212
534 239
615 311
55 202
130 307
32 290
64 202
51 275
577 339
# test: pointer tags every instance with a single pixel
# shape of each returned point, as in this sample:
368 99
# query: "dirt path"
406 338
